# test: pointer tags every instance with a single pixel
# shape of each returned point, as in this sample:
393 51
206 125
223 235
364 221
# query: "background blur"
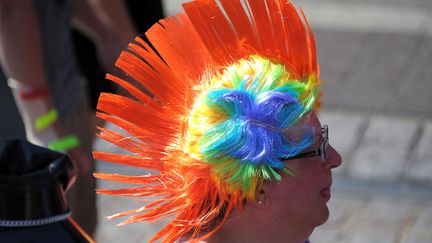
375 58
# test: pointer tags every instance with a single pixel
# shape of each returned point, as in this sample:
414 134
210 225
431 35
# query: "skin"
292 207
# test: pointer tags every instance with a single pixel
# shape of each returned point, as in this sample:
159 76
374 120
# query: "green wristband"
46 119
65 143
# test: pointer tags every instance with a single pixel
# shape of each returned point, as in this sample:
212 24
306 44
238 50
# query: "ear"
263 197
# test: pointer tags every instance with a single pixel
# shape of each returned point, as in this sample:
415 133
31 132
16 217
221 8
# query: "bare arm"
21 59
116 15
20 48
107 23
89 22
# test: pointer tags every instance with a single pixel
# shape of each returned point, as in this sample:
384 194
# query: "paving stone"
384 149
377 164
420 168
365 17
341 210
425 4
327 235
336 52
383 212
424 219
390 132
371 234
376 71
413 94
418 236
343 129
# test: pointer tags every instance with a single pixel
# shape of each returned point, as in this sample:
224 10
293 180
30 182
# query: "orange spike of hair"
179 60
126 143
129 160
201 42
144 98
142 179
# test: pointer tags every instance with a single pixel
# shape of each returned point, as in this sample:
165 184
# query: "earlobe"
262 199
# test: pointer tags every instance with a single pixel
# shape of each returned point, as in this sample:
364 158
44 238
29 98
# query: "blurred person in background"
38 58
230 128
142 15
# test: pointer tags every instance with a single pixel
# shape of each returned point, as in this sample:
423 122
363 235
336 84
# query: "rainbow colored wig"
227 79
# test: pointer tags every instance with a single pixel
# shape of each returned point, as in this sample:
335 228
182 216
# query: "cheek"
305 184
296 194
298 197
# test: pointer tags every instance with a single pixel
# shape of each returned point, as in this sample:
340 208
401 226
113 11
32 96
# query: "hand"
80 160
78 156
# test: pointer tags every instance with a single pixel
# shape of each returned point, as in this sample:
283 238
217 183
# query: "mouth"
326 192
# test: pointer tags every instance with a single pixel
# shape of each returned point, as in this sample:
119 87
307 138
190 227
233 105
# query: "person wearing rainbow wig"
228 123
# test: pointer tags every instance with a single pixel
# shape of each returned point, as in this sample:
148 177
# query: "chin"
324 216
321 217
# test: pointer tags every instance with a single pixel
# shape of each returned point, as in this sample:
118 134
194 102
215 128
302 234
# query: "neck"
236 232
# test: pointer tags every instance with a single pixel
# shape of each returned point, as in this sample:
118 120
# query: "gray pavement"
376 216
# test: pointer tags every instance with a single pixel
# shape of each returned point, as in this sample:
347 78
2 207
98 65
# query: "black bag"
33 207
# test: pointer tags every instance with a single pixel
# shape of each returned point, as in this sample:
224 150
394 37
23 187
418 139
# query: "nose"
334 159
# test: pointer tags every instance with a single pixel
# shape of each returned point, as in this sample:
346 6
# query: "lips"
326 192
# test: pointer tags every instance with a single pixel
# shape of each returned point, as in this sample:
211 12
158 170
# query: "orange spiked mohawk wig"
227 79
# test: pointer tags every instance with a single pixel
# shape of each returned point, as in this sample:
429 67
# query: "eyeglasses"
321 151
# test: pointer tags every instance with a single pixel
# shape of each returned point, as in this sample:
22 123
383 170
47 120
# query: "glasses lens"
324 154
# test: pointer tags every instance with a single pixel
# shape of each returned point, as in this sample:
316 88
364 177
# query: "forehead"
314 121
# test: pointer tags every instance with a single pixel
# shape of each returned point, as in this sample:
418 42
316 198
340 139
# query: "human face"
299 201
